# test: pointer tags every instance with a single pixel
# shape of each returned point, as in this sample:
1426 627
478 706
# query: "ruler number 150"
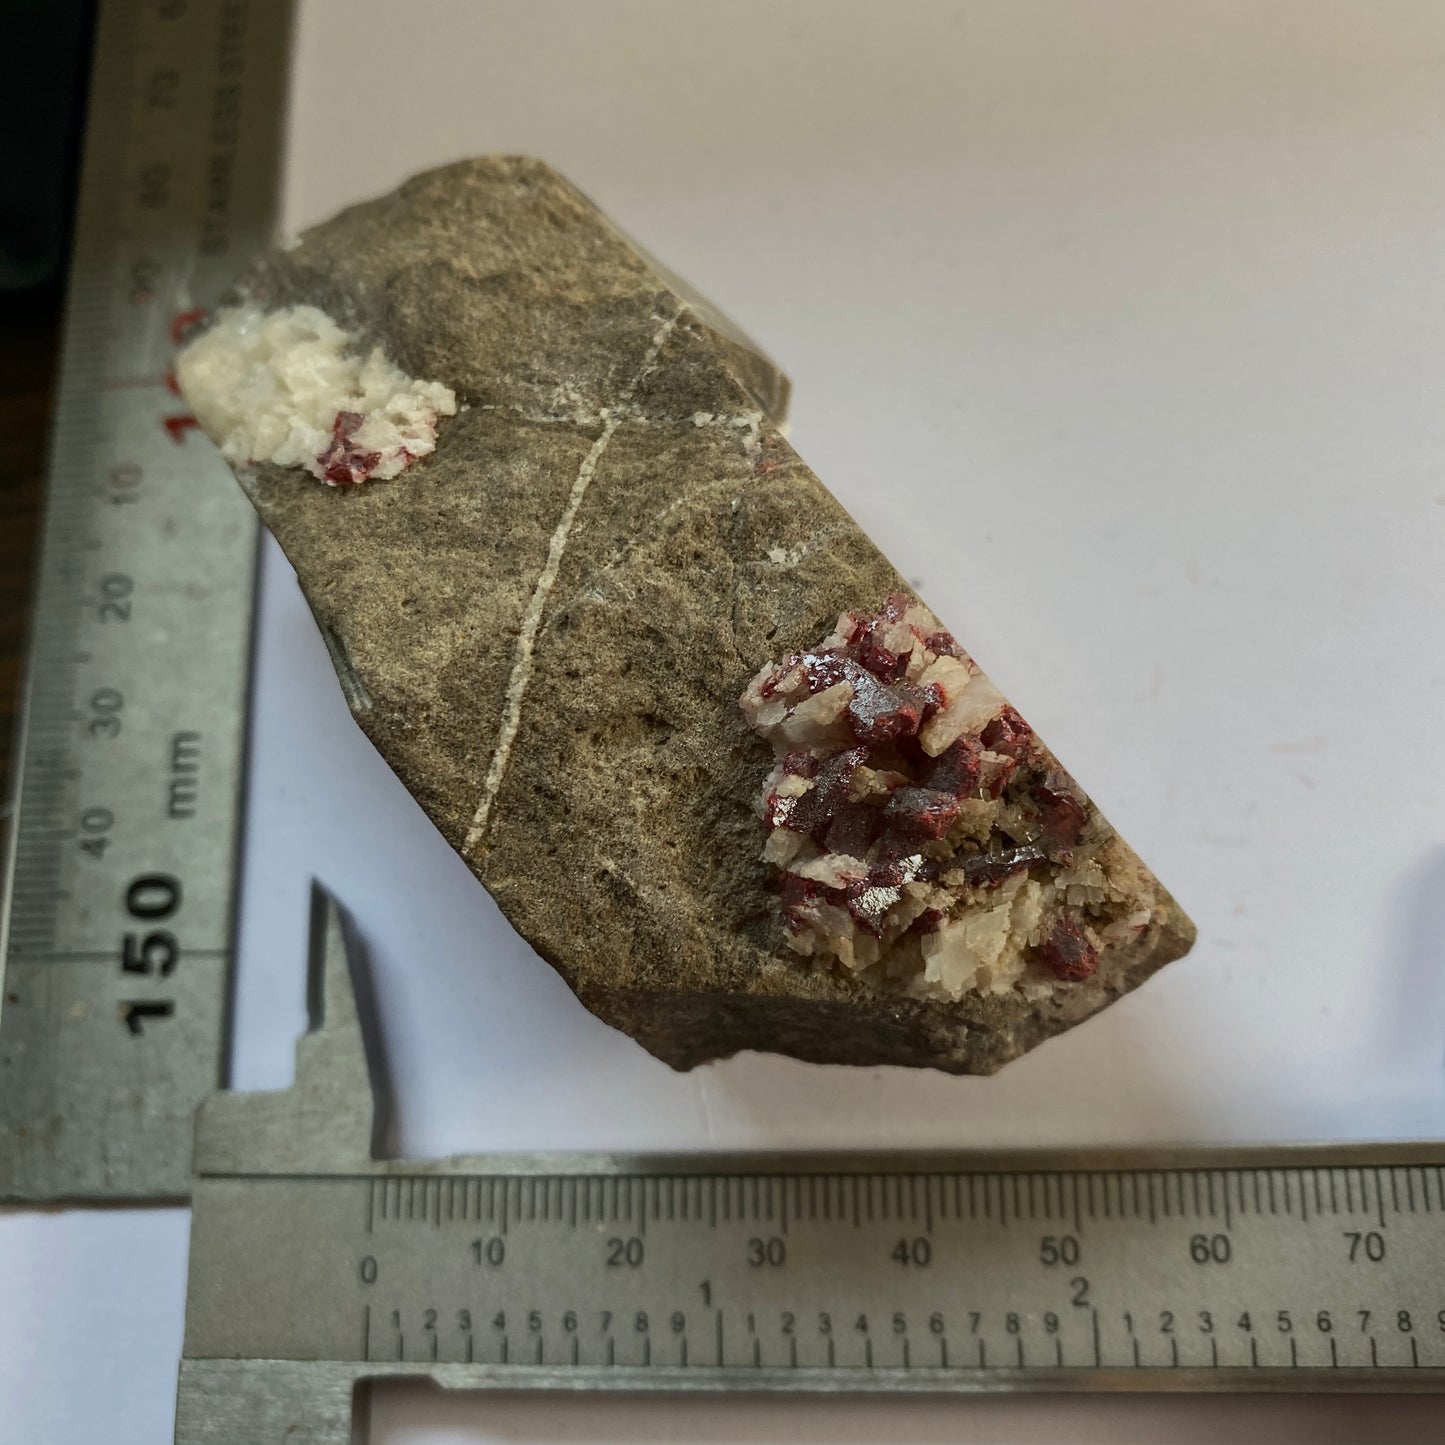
152 897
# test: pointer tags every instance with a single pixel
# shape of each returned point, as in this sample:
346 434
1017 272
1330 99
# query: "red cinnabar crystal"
956 771
1068 951
921 812
343 462
1008 733
1060 808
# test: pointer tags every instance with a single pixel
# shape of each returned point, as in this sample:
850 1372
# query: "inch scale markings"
315 1268
116 920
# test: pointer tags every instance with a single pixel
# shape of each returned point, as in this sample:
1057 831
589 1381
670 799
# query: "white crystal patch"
292 387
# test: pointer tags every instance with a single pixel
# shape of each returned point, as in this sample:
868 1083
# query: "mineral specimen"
536 494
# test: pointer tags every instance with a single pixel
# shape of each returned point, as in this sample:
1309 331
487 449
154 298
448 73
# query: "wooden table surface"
27 356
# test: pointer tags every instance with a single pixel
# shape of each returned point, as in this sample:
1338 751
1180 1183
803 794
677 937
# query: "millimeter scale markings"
116 925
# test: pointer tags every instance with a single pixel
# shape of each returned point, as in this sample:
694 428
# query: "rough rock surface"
545 625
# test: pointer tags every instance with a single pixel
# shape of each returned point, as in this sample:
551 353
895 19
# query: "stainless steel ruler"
121 863
315 1269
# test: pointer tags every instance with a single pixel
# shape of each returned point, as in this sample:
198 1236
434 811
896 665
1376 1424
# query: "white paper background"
1119 326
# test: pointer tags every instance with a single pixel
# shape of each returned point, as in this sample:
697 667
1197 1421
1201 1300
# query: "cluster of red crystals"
883 717
1068 952
343 462
879 805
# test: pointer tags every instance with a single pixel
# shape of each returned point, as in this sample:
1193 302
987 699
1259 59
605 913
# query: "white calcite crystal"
291 387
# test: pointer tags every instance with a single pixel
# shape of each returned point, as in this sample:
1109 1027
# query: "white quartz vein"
749 423
521 674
